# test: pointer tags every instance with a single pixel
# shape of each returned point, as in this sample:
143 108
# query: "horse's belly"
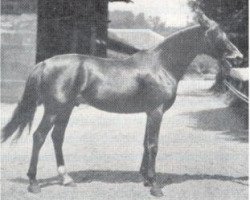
130 100
118 99
117 107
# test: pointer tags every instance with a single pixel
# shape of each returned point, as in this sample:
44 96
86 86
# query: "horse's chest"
159 86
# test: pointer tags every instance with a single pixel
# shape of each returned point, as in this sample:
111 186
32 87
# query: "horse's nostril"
237 61
239 58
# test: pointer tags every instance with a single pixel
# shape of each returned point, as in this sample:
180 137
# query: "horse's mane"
169 38
178 34
182 31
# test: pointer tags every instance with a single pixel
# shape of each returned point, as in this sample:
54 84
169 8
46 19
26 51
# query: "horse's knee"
156 114
152 148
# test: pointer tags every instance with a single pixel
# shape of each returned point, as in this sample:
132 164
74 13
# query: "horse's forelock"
215 30
203 20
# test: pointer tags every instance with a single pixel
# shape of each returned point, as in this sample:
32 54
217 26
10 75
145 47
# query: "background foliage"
232 15
128 20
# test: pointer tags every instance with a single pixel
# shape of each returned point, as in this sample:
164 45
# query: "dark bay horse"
145 82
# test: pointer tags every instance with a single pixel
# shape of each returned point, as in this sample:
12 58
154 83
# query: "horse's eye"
223 37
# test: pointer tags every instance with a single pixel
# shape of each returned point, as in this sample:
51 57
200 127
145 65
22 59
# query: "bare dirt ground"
203 153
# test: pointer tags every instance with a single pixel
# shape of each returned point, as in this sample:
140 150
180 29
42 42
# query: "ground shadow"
164 179
230 121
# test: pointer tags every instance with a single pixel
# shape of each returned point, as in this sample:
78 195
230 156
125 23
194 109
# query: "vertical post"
93 41
71 26
102 27
55 24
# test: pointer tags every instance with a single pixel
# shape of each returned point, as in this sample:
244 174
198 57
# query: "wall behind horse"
18 51
18 37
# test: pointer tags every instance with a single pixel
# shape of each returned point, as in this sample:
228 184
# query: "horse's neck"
178 51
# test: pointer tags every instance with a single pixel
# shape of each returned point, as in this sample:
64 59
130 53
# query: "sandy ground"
203 153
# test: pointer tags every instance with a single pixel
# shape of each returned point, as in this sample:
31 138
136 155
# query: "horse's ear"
203 19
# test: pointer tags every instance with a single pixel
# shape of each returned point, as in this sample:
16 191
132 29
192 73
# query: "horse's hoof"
68 181
156 191
34 188
70 184
147 184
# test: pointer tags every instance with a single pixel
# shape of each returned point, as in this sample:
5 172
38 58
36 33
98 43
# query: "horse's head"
219 46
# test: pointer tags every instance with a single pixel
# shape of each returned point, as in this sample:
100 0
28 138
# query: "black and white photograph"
124 99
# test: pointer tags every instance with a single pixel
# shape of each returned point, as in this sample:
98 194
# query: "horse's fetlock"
61 170
153 148
32 176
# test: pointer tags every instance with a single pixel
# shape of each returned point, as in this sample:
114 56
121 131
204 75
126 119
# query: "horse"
143 82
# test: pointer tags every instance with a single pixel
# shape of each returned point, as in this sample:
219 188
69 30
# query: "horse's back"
65 77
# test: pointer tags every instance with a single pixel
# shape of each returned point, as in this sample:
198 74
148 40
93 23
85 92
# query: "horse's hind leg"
61 123
38 140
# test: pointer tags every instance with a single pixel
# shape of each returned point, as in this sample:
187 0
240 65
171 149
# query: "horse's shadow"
230 121
164 179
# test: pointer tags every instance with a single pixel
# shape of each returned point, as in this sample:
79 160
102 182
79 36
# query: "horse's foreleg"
150 150
38 140
61 123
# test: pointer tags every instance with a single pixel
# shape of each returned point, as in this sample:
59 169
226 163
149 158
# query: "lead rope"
239 94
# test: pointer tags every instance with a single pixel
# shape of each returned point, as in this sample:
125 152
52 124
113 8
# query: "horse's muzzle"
233 61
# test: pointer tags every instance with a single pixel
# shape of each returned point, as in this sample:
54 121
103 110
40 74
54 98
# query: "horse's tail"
25 110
